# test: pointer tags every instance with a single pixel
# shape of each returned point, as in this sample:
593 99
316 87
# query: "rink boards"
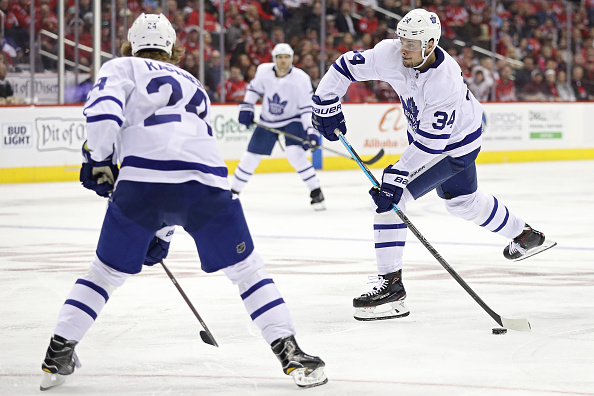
42 143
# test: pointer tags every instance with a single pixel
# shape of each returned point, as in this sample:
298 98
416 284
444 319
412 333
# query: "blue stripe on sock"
266 307
252 289
82 307
388 244
389 226
93 286
504 220
492 213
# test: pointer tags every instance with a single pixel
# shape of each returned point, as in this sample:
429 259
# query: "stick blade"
375 158
208 339
516 324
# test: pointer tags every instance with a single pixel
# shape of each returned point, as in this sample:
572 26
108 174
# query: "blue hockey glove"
246 114
98 176
159 246
313 140
327 116
394 182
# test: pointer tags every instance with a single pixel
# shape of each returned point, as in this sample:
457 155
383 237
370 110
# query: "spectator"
534 90
190 64
505 89
260 52
368 22
385 93
565 91
344 21
212 75
551 84
480 84
84 38
525 73
580 90
235 86
472 29
313 19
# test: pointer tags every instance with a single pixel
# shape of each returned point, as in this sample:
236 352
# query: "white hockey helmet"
282 49
420 24
151 31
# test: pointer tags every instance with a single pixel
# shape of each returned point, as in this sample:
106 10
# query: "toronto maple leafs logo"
433 19
411 112
275 106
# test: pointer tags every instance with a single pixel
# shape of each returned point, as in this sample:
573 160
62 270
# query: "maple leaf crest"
275 106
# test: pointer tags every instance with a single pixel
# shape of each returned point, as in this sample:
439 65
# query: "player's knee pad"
297 157
468 207
242 271
249 162
105 276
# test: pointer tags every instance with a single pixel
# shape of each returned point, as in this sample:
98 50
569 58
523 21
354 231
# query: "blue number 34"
443 119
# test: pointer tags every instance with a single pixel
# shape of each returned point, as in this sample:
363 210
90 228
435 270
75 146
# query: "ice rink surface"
146 340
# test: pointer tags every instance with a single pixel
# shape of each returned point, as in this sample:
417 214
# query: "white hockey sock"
486 211
298 159
245 169
389 233
86 300
261 298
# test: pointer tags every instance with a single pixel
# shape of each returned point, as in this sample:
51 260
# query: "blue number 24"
176 95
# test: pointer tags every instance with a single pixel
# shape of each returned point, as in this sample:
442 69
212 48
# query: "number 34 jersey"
156 117
442 114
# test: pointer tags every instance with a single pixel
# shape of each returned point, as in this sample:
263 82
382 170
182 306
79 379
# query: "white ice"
146 340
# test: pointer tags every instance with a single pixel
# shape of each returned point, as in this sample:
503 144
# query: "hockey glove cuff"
246 114
394 182
327 116
99 176
313 140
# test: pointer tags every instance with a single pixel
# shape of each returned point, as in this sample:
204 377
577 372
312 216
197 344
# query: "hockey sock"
298 159
245 169
389 233
486 211
261 298
86 300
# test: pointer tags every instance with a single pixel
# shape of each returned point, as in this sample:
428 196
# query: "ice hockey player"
154 117
286 105
444 133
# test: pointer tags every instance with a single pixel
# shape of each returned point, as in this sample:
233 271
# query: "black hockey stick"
512 324
370 161
205 334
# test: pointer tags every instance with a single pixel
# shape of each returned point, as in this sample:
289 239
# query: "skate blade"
315 378
319 206
49 381
395 310
539 249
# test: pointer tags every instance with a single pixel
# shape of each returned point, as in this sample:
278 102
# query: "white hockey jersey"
285 99
157 117
443 116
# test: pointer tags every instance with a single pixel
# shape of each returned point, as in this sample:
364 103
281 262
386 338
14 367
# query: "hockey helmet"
420 24
282 49
151 31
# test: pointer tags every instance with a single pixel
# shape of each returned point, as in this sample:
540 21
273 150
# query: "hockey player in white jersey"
444 133
154 120
286 105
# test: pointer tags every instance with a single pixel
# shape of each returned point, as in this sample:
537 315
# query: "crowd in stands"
531 35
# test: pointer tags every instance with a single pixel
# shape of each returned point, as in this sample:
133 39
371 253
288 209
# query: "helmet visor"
411 45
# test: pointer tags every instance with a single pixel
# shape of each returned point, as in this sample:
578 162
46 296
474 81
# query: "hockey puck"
499 330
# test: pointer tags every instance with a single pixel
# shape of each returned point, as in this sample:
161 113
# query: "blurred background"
540 50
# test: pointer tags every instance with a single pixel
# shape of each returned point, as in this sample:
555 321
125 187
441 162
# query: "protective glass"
410 45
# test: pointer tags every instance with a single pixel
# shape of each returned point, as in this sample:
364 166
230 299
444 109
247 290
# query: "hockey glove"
394 182
313 140
327 116
246 114
98 176
159 246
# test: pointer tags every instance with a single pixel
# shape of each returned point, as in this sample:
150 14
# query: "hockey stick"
205 334
512 324
370 161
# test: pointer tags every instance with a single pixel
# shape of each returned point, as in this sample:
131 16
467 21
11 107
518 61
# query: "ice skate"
60 361
528 243
384 301
317 199
307 371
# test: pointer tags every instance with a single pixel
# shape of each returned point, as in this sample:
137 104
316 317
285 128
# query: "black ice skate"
317 199
528 243
384 301
306 370
60 361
